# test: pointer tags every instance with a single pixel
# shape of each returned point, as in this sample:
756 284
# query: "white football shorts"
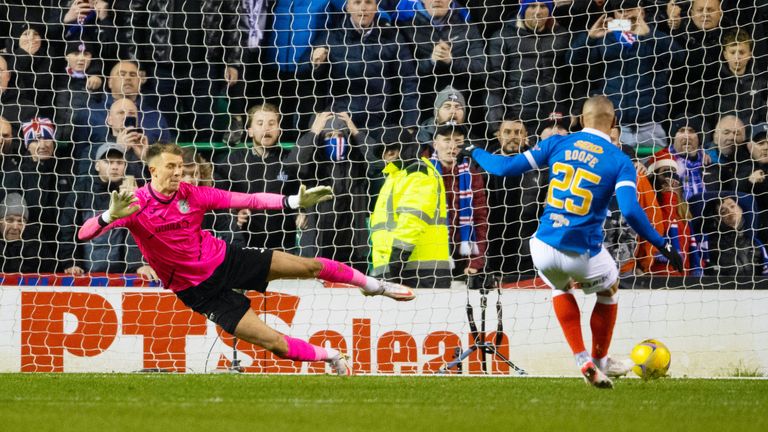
557 268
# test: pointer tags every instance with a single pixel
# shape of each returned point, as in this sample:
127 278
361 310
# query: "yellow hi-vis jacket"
411 214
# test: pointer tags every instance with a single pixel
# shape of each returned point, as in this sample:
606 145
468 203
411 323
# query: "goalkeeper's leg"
287 266
252 329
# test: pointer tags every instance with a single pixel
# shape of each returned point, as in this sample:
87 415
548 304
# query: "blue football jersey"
584 171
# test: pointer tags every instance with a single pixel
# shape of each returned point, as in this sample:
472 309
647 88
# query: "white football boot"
617 368
392 290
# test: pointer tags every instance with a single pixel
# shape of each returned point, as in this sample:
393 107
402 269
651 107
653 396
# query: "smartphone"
620 25
132 122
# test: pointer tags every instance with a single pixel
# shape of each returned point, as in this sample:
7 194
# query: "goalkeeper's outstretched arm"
121 205
217 199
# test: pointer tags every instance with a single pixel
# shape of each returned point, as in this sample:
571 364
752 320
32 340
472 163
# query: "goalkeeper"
165 218
584 171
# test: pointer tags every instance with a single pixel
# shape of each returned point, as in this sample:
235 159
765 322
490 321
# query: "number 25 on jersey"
572 183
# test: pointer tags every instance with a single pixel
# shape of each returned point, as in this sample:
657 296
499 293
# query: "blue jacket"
288 39
636 77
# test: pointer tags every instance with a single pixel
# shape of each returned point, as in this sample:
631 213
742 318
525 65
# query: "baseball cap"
106 148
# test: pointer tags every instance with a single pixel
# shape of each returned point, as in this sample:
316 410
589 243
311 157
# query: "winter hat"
664 162
401 139
37 129
336 123
449 128
107 148
525 3
449 94
78 47
13 205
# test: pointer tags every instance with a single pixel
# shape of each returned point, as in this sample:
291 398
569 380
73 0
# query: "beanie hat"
13 205
36 129
449 94
78 47
525 3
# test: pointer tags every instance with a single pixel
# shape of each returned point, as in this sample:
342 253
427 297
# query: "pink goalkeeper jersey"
168 230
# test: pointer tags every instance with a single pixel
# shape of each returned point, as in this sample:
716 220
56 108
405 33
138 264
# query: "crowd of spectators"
272 94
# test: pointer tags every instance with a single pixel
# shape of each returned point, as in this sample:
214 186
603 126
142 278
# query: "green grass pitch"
168 403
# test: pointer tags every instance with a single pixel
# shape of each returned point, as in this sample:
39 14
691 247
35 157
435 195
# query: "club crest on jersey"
183 206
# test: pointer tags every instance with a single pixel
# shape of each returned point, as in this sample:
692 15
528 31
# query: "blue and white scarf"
627 39
468 245
693 172
336 147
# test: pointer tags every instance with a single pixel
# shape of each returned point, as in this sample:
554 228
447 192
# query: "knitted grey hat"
13 205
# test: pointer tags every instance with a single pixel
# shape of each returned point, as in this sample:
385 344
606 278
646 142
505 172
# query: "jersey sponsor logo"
183 206
588 146
172 226
559 220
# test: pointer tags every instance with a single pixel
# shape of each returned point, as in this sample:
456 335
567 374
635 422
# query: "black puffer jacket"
527 69
164 30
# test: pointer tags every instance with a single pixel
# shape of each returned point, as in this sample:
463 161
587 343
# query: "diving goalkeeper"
165 218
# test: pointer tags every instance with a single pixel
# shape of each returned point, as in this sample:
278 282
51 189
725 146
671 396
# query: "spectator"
9 158
448 49
14 107
42 181
262 168
751 174
726 151
409 236
32 62
529 54
514 204
88 20
223 224
371 69
332 153
450 107
742 89
633 253
284 67
665 177
124 82
115 252
687 153
123 114
733 249
701 39
20 247
73 88
637 66
465 195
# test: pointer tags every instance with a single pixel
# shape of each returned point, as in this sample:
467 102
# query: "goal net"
268 95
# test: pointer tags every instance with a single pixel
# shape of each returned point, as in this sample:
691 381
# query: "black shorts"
242 269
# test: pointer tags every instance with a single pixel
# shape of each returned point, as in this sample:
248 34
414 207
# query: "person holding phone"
639 87
123 120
